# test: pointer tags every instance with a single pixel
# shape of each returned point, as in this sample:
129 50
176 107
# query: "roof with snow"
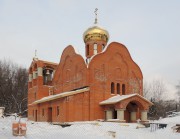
118 98
60 95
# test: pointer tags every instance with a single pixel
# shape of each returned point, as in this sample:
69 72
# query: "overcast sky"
149 29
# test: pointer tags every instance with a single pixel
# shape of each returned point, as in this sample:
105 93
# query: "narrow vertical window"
118 88
95 48
123 89
57 110
112 88
87 50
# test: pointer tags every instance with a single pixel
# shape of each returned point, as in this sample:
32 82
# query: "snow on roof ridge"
116 99
119 98
60 95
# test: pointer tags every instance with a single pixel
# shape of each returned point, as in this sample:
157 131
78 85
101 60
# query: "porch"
126 108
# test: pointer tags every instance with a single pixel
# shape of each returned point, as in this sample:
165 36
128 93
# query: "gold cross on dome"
96 11
95 15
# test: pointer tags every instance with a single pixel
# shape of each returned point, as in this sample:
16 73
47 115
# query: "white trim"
118 98
60 95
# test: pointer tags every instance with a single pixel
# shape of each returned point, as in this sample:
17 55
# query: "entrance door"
127 116
36 115
130 113
49 114
114 114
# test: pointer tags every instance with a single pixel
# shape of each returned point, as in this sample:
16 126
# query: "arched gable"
116 65
116 48
142 103
71 72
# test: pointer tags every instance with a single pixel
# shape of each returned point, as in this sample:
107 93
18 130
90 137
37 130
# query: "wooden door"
36 115
50 114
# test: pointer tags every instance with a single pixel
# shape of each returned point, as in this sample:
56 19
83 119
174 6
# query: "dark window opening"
112 88
57 110
87 50
114 114
47 76
118 88
123 89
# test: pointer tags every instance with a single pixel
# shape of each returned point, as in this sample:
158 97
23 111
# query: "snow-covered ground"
90 130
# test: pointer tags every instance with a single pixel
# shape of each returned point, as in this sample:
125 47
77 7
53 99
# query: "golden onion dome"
96 33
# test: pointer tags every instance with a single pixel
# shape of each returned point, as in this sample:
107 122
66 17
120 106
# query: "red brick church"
107 85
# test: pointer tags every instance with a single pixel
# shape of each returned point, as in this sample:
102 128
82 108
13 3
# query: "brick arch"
138 103
142 104
125 52
71 58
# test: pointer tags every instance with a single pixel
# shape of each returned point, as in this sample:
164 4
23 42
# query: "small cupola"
95 39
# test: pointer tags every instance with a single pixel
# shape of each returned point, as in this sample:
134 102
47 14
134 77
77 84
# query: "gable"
71 71
115 65
117 56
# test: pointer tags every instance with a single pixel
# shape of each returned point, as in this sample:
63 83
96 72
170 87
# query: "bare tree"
155 92
13 87
146 90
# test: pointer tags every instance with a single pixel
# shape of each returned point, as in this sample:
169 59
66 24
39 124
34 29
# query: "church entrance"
126 108
36 115
114 115
49 114
131 112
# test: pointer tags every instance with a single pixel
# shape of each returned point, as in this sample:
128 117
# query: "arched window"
47 75
95 48
112 88
123 89
87 49
118 88
35 71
